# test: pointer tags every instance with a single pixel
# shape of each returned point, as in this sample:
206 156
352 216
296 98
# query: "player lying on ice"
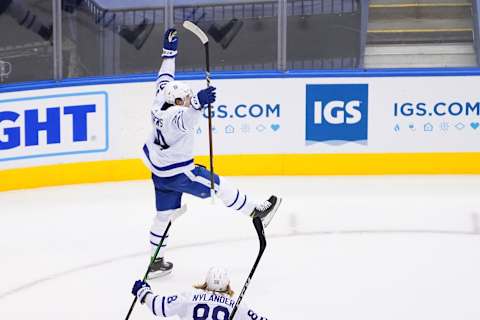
168 153
211 300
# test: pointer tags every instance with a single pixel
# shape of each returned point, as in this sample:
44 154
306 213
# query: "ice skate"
160 268
266 210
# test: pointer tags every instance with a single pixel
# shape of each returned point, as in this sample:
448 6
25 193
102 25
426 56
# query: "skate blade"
269 218
158 274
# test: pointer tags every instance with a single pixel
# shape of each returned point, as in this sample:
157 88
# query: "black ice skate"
160 268
266 210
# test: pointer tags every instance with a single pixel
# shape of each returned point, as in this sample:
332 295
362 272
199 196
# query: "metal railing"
103 49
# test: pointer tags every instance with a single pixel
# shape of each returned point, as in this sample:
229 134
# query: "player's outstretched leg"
197 182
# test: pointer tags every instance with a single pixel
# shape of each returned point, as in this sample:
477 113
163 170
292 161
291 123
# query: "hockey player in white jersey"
210 301
168 153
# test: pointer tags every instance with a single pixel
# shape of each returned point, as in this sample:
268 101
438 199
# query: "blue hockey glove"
141 289
207 96
170 43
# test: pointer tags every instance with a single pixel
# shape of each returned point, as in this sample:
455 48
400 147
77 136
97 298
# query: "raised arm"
167 70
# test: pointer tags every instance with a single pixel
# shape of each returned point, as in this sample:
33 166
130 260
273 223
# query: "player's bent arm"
189 117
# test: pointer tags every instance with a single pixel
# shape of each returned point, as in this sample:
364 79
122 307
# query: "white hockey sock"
159 224
233 198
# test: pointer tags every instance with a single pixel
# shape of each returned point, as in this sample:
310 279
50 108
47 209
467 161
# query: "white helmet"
217 279
176 90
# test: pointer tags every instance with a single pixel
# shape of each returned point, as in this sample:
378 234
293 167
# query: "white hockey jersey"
169 148
199 304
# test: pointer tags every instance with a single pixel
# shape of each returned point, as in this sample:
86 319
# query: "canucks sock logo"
337 113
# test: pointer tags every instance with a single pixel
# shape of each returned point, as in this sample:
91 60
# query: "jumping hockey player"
168 153
211 300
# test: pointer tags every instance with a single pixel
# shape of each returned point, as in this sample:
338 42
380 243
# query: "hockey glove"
141 289
206 96
170 43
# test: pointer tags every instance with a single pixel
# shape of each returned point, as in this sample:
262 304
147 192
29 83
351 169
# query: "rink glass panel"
104 38
243 35
323 34
26 54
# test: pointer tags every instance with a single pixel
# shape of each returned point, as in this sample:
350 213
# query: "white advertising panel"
251 116
53 125
346 115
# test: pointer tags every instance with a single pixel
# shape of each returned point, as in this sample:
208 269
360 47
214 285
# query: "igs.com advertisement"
337 113
393 115
249 117
53 125
345 115
443 116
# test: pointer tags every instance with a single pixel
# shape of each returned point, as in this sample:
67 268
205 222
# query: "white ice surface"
375 248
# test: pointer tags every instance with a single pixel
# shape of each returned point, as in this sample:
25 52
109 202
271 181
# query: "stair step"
419 2
430 49
418 10
419 30
418 56
457 36
418 24
419 5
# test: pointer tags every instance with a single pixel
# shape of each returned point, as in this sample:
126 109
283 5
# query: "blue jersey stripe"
169 167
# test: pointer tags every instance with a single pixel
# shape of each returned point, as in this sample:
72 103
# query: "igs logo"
337 112
53 125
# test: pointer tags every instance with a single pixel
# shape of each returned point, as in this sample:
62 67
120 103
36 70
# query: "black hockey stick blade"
152 259
257 222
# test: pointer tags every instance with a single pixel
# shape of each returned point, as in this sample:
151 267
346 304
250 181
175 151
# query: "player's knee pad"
167 215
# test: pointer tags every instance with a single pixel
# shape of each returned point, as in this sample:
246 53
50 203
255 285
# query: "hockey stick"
149 267
190 26
257 222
